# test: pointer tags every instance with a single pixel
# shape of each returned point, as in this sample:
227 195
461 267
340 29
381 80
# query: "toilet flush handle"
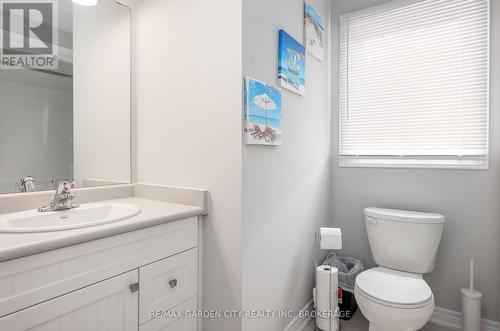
372 220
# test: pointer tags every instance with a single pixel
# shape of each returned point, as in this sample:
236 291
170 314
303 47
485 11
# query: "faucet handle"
28 184
64 186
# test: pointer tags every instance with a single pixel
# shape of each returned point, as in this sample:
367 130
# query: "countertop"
16 245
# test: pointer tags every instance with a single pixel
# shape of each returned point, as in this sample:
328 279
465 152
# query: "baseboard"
447 318
300 321
443 317
453 320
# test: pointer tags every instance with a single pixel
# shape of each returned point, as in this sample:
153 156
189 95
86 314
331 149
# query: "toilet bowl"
394 296
392 300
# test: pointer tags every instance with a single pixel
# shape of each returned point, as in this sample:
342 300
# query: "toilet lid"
394 287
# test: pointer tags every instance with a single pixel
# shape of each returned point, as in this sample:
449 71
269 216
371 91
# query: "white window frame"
421 161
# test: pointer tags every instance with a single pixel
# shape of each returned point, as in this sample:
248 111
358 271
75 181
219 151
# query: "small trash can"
349 268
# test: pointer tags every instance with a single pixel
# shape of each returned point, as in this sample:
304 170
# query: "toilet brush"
471 305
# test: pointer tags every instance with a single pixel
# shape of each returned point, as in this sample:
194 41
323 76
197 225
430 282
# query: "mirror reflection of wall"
36 128
73 122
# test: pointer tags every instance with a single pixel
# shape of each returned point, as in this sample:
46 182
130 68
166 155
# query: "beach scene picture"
291 64
262 113
314 32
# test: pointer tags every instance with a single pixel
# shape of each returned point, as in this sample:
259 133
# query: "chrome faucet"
28 184
63 199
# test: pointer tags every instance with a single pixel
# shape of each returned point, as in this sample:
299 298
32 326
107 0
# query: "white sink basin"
87 215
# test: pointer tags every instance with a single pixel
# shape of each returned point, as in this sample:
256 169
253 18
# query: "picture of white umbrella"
262 107
265 102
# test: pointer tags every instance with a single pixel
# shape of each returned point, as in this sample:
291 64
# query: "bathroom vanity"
139 273
107 255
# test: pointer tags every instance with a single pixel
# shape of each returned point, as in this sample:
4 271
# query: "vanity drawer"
167 283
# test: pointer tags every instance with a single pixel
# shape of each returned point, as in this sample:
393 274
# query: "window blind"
414 80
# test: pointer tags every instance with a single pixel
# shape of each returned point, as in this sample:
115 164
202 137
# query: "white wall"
188 104
102 68
286 189
468 198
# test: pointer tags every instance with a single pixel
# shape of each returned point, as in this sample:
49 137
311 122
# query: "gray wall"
468 198
286 189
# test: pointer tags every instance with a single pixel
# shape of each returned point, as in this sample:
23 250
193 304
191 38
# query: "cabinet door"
109 305
167 283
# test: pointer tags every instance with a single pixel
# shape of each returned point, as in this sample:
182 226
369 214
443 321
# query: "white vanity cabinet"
140 280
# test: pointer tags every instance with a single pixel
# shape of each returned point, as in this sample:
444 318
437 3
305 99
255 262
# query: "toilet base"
374 327
386 318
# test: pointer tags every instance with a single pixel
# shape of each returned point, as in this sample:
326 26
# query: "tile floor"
359 323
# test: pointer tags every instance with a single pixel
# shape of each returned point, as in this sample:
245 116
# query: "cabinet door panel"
105 306
167 283
182 323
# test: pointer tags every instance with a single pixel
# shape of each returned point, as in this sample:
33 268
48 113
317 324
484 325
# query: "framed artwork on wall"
262 113
291 64
314 32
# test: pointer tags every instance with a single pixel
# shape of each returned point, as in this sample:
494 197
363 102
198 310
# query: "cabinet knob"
134 287
172 283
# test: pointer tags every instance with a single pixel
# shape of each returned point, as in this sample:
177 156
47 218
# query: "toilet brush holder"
471 310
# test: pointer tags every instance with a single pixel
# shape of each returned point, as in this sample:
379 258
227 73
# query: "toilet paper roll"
326 298
330 238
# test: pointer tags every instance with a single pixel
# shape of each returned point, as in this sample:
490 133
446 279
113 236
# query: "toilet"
394 296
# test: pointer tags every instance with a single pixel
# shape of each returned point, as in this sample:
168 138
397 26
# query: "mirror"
70 120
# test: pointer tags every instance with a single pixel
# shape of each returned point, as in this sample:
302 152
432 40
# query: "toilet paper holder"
326 239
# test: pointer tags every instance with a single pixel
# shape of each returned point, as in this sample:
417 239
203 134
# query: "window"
414 85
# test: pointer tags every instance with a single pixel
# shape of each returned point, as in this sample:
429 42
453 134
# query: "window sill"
465 163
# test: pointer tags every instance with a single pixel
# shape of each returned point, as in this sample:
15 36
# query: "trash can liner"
349 268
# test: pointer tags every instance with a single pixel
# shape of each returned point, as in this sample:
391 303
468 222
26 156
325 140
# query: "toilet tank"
404 240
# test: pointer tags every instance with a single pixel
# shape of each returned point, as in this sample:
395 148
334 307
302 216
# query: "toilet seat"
394 288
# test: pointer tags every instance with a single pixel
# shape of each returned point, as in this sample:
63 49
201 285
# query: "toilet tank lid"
404 216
